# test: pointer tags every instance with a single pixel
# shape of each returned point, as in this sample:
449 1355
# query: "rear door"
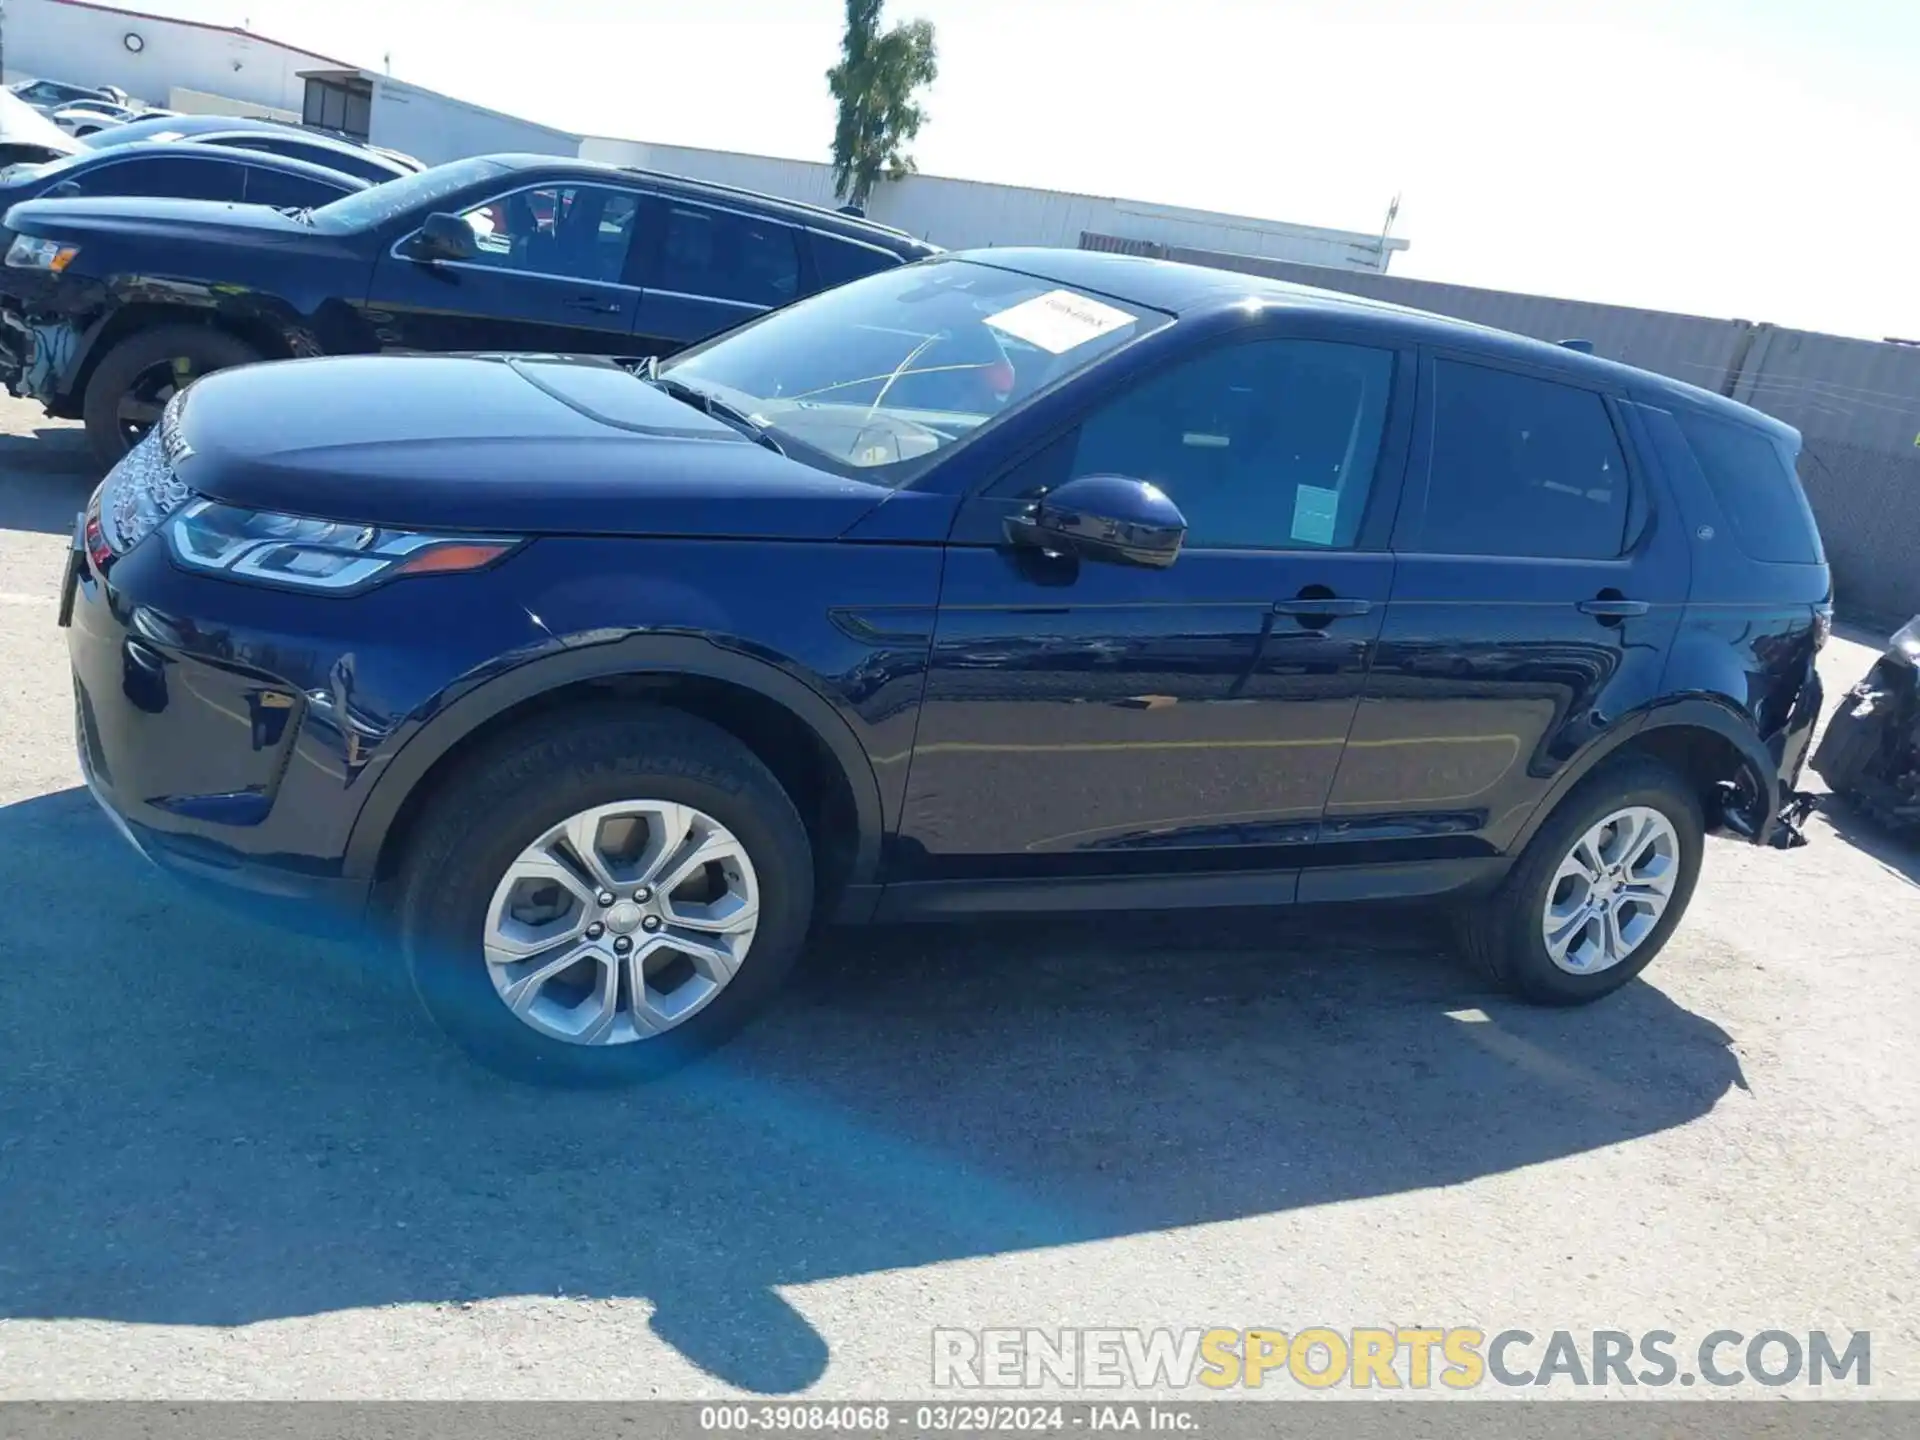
1538 589
550 272
707 268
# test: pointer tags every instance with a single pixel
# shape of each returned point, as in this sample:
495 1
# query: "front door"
1086 717
549 273
1539 588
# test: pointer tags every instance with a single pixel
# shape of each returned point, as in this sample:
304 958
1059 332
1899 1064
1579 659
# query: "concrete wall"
1856 403
85 45
963 214
199 102
436 128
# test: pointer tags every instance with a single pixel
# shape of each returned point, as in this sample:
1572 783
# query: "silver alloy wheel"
1611 890
621 922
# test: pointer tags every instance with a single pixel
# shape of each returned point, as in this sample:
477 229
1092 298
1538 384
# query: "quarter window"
578 231
839 261
1522 466
1265 445
722 255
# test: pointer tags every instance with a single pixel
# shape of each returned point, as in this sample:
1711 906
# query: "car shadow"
1895 853
49 475
204 1121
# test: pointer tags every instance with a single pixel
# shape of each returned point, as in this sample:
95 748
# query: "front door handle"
593 305
1334 607
1612 607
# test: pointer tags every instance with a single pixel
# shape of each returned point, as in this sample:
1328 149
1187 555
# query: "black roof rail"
742 190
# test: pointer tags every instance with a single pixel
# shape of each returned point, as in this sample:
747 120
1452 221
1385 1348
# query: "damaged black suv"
109 306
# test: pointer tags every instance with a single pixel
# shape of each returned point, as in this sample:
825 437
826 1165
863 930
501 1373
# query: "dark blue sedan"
1018 580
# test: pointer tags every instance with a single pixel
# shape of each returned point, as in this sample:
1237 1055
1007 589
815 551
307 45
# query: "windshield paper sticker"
1059 320
1314 511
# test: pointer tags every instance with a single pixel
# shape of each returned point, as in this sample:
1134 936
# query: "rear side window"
201 178
839 261
345 161
1752 477
277 187
724 255
1522 466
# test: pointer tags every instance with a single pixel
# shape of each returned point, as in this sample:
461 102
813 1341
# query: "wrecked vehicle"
111 307
1870 754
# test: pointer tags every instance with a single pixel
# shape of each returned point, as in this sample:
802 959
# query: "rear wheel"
135 379
1598 891
600 898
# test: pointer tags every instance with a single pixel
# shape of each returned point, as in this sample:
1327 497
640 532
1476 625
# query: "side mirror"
442 237
1104 517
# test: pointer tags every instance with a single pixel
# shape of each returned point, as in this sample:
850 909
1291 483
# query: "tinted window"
344 160
580 231
182 179
1269 445
839 261
1522 467
276 187
1758 492
727 256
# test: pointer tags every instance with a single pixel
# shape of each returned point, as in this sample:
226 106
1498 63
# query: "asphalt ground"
232 1164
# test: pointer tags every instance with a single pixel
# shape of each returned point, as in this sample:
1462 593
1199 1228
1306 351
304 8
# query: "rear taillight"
1822 629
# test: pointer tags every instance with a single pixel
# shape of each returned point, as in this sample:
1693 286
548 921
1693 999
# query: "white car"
87 117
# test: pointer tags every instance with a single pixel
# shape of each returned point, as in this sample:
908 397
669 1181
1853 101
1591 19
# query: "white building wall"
85 44
436 128
968 214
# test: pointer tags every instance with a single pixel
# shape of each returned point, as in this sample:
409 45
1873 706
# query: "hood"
201 220
518 444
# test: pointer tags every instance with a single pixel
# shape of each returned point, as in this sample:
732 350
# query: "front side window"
180 179
722 255
1270 444
579 232
882 374
1522 466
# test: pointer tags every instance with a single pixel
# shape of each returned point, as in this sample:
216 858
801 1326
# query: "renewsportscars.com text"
1393 1358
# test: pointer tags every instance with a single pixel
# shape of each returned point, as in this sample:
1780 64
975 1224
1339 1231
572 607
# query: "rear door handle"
593 306
1336 607
1613 609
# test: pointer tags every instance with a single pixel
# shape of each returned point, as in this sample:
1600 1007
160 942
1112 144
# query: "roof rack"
743 190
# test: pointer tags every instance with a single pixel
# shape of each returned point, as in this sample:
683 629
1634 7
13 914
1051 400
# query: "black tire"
1502 933
192 351
534 777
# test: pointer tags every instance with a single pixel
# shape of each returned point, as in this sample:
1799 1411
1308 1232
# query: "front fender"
658 654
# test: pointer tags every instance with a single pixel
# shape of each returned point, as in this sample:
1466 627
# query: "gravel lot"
231 1165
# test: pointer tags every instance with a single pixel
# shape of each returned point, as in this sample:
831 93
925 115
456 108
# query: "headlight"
138 493
30 252
1906 641
308 554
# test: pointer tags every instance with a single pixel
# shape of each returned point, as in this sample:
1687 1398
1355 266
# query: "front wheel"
135 379
600 898
1598 891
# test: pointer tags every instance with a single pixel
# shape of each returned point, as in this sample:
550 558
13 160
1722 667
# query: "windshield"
367 208
892 369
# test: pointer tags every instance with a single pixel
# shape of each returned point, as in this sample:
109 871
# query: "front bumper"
233 733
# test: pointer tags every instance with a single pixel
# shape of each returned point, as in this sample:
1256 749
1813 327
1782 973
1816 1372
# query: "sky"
1752 159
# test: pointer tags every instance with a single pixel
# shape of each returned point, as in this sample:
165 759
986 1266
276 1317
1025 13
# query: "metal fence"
1855 402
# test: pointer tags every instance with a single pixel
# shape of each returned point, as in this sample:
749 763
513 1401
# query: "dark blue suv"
1017 580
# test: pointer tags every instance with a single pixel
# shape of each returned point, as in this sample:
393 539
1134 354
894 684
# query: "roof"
813 216
1192 290
260 159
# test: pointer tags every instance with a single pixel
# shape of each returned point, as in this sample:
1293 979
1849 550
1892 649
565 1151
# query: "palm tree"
874 84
